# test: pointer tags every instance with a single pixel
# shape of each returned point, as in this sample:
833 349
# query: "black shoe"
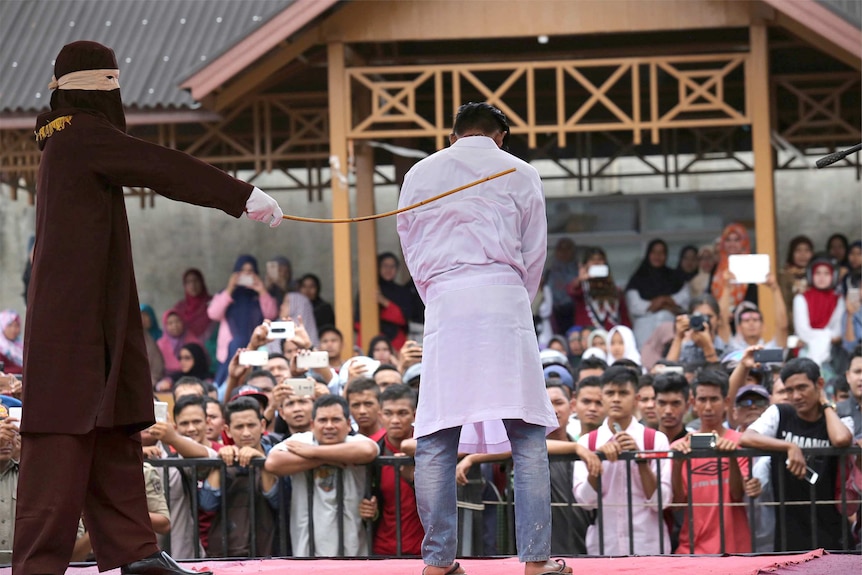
158 564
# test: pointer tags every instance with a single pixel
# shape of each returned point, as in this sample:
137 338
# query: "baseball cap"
552 357
755 389
251 391
413 372
559 374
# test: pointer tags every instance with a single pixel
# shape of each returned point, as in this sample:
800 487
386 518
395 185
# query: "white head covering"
594 352
631 349
598 333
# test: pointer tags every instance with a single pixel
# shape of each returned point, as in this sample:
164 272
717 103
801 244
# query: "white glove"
263 208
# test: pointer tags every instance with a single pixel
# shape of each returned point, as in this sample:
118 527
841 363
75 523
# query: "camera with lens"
698 322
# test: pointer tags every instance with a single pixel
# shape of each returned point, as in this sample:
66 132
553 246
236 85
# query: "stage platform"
811 563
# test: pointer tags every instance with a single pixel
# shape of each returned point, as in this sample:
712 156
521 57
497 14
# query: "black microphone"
834 157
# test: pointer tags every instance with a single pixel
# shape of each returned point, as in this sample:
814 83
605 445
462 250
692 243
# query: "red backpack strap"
591 439
649 439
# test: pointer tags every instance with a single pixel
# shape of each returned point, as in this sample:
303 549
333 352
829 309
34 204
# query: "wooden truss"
553 97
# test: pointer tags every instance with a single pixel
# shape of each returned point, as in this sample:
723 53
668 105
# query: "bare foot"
432 570
536 567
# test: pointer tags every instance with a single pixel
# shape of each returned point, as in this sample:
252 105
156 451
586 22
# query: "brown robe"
85 363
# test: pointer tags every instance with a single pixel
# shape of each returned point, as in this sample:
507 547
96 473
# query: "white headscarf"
631 349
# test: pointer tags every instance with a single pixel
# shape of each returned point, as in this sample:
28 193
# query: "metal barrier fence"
506 500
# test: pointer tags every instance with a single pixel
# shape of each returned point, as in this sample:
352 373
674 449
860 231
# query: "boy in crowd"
622 432
398 411
710 405
671 393
807 422
586 410
647 411
313 460
245 426
363 397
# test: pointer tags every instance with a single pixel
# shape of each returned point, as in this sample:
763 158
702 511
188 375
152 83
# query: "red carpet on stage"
813 562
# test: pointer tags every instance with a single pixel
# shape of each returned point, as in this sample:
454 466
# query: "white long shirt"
818 342
477 258
647 525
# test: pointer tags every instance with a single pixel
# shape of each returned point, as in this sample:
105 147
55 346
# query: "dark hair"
566 391
481 117
388 256
645 380
704 299
398 391
671 383
210 400
592 363
329 400
188 401
377 339
189 380
714 378
627 363
261 373
276 355
314 279
592 251
844 241
590 381
385 367
795 243
329 328
619 375
839 383
201 367
361 385
800 365
241 404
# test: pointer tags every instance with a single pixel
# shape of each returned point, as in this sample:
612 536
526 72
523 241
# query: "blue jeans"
436 458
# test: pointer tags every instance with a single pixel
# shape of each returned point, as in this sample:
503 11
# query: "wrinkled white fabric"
262 207
476 258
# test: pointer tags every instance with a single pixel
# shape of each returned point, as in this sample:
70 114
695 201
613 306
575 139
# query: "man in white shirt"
311 459
476 258
649 534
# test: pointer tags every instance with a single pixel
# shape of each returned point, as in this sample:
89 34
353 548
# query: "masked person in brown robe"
87 387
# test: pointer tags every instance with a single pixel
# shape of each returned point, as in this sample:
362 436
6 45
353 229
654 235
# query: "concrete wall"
172 236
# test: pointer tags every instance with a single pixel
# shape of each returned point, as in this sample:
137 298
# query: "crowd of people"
676 352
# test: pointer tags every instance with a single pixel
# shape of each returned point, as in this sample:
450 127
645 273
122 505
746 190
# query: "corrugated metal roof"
158 43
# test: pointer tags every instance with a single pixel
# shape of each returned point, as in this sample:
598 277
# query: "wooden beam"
366 244
251 78
342 272
758 104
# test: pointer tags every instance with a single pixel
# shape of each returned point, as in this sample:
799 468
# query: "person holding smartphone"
597 299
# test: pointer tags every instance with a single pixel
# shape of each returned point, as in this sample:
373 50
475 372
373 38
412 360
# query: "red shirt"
412 533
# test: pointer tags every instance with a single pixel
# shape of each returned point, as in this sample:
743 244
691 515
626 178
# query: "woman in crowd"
622 345
176 335
11 345
596 298
309 286
240 307
279 277
734 241
194 363
394 300
193 307
818 313
699 284
598 339
562 272
655 293
837 247
853 278
152 334
792 277
380 349
687 266
294 306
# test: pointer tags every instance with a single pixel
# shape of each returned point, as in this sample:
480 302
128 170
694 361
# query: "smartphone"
853 294
769 356
792 341
16 412
703 441
811 476
749 268
161 411
245 280
253 357
672 369
617 428
598 271
301 387
312 360
281 330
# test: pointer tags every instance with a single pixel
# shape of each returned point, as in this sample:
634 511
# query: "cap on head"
84 55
